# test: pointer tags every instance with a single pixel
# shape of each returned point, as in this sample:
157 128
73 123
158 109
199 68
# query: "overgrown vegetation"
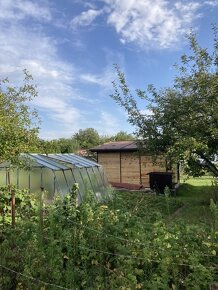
128 242
196 195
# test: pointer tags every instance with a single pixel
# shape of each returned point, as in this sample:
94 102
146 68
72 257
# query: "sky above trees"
70 47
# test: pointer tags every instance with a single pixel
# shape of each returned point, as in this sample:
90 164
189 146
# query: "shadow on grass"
195 195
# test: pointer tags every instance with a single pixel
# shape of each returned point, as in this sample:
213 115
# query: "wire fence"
102 236
37 281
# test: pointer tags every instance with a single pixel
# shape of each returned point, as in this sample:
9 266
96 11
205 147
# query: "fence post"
12 207
41 207
12 200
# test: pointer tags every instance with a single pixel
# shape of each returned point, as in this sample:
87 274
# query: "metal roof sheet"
45 161
54 161
76 160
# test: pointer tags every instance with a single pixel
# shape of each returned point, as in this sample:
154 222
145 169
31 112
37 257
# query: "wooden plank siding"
148 165
111 165
123 162
130 167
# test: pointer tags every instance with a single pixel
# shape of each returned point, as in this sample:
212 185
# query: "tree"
62 145
48 146
182 120
18 122
120 136
67 145
87 138
123 136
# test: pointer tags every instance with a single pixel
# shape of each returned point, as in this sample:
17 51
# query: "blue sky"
70 46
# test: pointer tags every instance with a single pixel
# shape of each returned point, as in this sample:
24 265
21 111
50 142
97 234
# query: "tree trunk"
210 165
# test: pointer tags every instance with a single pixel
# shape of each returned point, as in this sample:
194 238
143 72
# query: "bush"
125 244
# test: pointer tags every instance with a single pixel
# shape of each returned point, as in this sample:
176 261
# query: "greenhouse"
55 174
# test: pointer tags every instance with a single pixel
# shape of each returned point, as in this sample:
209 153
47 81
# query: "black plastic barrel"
158 181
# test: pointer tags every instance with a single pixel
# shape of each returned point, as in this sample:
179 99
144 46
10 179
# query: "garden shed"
55 173
124 162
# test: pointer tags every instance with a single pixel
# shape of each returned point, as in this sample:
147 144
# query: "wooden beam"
120 168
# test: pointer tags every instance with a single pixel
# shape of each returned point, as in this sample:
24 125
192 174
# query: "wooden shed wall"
130 167
148 165
111 164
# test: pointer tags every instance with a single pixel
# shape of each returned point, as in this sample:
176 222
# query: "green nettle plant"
118 245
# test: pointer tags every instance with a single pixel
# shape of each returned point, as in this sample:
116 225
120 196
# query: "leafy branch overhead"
181 120
18 122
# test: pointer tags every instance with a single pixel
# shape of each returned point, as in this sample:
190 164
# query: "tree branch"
210 165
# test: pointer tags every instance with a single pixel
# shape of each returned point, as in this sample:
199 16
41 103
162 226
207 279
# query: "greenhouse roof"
55 161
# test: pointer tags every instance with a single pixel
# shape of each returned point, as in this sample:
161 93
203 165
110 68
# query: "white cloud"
61 106
212 3
148 23
151 23
108 124
19 9
91 78
85 18
54 77
59 110
104 80
39 69
59 100
146 112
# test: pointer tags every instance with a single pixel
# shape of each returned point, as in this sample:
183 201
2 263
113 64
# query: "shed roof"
116 147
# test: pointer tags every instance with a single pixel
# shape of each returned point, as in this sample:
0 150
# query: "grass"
149 206
191 203
195 194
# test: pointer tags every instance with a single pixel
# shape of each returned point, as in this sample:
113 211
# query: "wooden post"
140 168
178 172
120 168
12 207
41 207
12 201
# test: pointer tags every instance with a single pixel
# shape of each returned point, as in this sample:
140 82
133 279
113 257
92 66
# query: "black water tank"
159 180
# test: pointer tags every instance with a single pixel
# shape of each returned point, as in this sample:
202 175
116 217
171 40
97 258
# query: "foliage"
87 138
62 145
123 136
25 204
181 120
125 244
120 136
18 122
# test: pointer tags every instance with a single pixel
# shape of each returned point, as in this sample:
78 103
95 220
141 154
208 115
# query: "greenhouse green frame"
55 174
